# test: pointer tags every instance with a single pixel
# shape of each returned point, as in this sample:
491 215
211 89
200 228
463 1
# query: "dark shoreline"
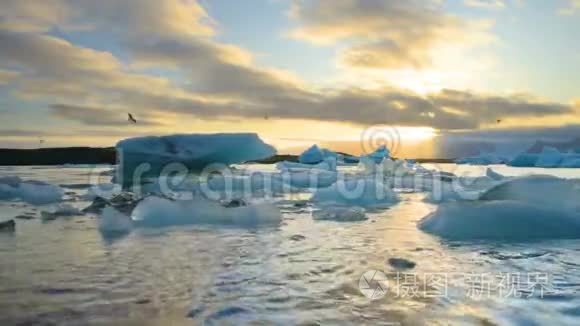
106 155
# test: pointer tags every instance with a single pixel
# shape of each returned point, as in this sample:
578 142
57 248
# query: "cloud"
487 4
94 88
142 17
573 7
7 75
32 15
386 34
489 108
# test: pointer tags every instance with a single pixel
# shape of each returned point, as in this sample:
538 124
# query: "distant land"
107 155
58 156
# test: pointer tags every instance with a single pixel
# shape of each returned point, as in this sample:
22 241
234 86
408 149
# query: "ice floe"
524 160
29 191
60 210
522 208
365 192
549 158
537 189
328 164
490 173
501 220
113 222
159 212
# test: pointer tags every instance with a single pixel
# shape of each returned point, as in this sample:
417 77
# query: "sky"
293 71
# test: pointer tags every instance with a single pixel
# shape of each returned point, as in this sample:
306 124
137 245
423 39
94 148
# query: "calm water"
302 272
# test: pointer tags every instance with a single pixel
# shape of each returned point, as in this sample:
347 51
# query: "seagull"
498 120
131 119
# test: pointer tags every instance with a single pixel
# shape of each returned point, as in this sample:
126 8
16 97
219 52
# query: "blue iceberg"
146 157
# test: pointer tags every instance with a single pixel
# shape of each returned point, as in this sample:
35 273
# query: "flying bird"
498 120
131 119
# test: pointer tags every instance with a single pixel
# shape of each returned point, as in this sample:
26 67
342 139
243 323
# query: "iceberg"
160 212
524 160
452 192
30 191
505 220
247 186
389 167
312 155
379 155
537 189
113 222
311 179
521 208
549 158
365 192
146 157
490 173
573 161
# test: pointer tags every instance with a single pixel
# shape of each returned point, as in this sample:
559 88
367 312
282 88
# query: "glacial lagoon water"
303 271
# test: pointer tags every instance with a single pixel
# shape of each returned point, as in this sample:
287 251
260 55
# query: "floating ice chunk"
8 225
490 173
380 154
61 210
311 179
341 214
312 155
452 192
367 165
524 160
12 181
103 190
543 190
549 158
401 263
571 163
30 191
501 220
253 185
195 152
159 212
365 192
389 167
113 222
